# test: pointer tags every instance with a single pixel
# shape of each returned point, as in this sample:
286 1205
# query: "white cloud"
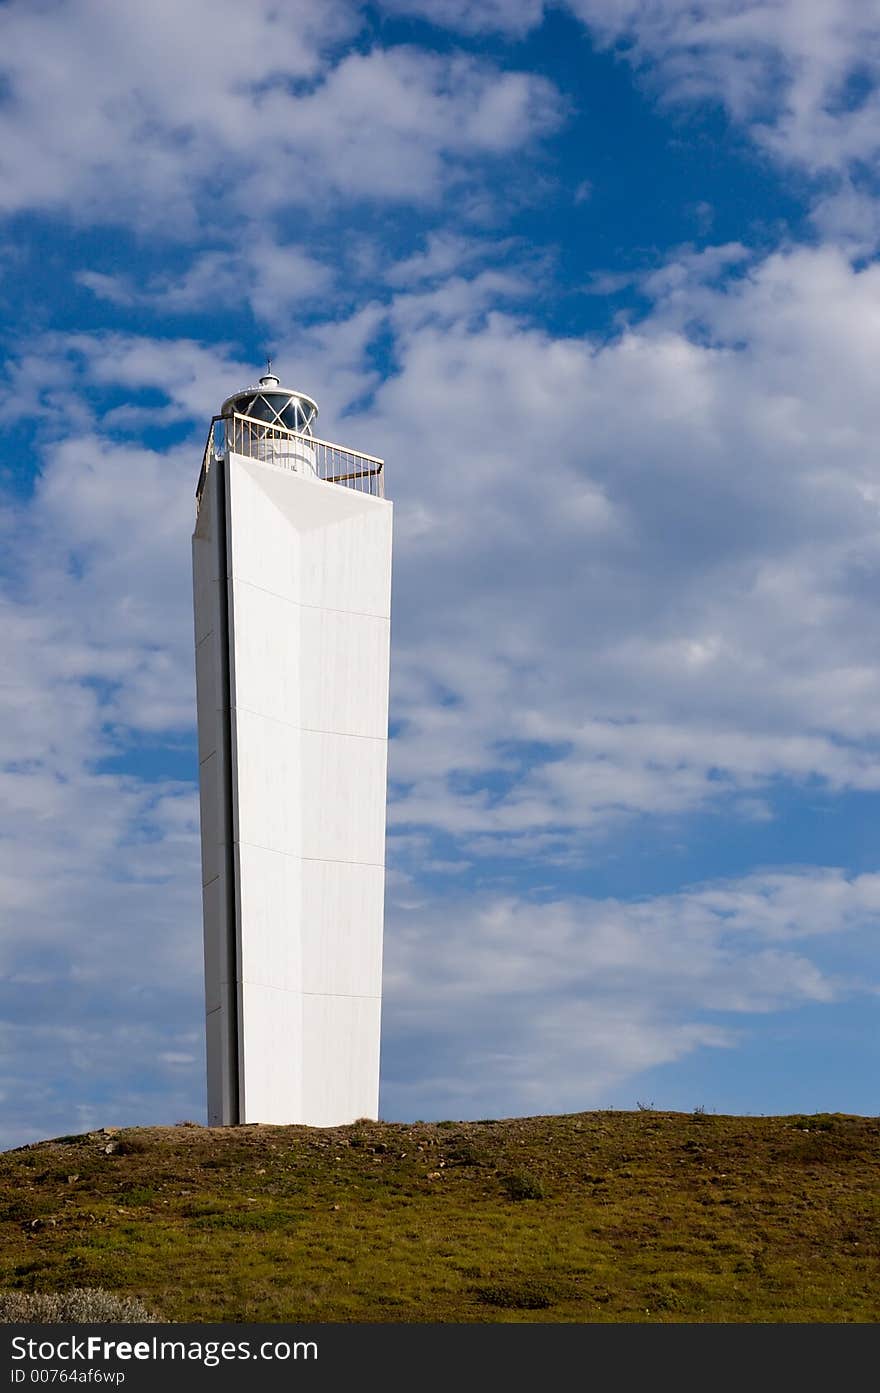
556 1004
675 600
689 270
848 217
54 377
100 960
217 112
511 17
91 90
274 278
802 74
384 123
445 254
66 1075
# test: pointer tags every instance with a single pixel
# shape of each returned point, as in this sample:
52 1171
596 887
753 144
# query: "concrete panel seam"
309 730
295 991
301 604
295 856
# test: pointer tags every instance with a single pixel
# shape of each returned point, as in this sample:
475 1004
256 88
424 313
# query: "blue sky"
599 280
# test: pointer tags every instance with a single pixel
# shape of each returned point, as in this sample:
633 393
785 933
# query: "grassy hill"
602 1216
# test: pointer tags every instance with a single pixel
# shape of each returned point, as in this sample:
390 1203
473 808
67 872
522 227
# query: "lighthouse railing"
293 450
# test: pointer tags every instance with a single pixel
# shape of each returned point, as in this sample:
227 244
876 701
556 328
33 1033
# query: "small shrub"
131 1146
466 1154
80 1306
663 1299
517 1296
520 1185
137 1194
247 1220
19 1211
813 1122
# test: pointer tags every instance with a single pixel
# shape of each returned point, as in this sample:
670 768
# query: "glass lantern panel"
292 415
262 409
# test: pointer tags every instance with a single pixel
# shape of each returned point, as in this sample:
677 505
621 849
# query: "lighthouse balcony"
297 451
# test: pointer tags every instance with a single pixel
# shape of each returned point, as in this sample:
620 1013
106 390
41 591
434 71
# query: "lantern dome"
279 407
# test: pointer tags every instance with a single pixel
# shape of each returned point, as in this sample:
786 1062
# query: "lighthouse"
292 593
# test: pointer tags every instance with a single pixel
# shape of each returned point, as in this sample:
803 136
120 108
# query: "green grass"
643 1216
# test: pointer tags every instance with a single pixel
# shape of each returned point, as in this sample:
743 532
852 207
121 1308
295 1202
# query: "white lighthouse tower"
292 586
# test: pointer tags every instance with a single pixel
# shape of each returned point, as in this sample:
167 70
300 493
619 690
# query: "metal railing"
292 450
